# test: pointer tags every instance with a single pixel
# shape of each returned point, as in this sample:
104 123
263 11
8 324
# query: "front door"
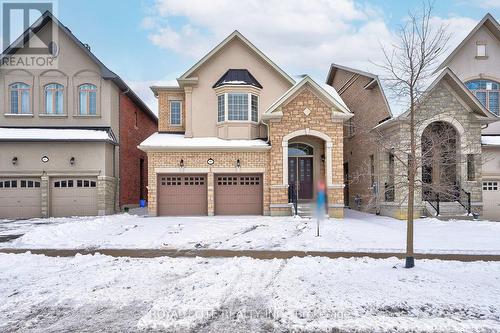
300 176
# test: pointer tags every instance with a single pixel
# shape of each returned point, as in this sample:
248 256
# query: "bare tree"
410 63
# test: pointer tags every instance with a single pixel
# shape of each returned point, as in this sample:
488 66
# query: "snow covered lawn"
357 232
91 293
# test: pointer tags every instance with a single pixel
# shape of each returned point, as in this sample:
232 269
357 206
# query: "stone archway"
440 142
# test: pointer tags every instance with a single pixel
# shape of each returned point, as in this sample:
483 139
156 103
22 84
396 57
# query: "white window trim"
170 112
226 108
478 44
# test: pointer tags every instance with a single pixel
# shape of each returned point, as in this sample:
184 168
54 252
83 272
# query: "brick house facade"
135 127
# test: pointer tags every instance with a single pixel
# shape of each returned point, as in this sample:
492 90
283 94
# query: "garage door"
238 194
491 200
20 198
73 197
182 195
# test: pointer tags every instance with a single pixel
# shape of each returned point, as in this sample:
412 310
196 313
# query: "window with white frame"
237 107
221 113
20 98
54 94
481 50
87 99
175 113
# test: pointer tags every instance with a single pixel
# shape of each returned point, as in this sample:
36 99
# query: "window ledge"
481 57
175 125
87 115
48 115
237 122
19 115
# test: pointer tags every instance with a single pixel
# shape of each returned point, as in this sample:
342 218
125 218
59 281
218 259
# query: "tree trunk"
410 261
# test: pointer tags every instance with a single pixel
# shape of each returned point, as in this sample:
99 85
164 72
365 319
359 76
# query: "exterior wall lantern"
210 161
45 159
72 161
238 163
323 158
14 160
181 163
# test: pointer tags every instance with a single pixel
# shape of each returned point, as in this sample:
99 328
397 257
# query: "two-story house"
69 135
240 136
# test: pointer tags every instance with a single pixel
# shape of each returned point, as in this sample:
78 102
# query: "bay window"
237 107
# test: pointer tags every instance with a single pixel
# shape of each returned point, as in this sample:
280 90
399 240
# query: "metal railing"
292 197
436 207
465 202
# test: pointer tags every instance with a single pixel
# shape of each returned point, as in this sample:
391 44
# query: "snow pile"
53 134
39 293
356 232
178 141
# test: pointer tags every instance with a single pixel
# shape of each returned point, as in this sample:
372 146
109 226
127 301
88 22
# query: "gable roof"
489 22
448 76
106 73
234 35
375 80
237 77
326 91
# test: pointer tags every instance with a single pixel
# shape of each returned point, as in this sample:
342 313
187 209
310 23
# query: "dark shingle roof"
237 77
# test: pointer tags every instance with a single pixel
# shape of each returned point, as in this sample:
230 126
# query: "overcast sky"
153 42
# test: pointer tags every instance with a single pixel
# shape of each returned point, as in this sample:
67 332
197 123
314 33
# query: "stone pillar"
189 112
44 187
106 192
210 194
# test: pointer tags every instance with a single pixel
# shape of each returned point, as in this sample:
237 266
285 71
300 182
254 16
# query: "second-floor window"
175 113
87 99
54 95
487 92
20 98
237 107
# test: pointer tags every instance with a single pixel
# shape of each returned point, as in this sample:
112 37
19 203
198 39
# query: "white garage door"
20 198
491 200
73 197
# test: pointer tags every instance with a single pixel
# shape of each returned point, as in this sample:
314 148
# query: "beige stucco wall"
90 158
74 69
468 67
491 162
234 55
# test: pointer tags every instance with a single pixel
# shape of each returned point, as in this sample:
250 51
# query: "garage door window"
9 184
75 183
490 186
29 183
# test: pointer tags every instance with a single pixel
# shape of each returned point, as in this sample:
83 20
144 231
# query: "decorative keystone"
307 112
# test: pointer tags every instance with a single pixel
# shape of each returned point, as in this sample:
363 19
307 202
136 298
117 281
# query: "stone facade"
164 98
107 188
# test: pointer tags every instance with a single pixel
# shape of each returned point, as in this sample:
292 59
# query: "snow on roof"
169 141
53 134
490 140
331 90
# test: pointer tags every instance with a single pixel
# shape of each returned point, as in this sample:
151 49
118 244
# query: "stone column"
210 194
106 190
44 187
189 112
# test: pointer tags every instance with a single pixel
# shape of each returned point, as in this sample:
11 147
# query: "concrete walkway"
256 254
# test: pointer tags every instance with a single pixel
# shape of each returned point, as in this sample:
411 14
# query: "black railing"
292 197
464 201
389 193
436 207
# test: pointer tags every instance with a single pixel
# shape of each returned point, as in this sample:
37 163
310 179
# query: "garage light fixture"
45 159
72 161
238 163
181 163
14 160
210 161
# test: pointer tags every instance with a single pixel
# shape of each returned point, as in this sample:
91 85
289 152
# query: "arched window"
300 149
487 92
54 95
87 99
20 98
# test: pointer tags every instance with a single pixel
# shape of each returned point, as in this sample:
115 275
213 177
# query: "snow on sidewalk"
356 232
91 293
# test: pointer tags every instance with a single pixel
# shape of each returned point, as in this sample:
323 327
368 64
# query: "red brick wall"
132 133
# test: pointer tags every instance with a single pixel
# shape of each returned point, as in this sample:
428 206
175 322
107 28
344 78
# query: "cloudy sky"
154 41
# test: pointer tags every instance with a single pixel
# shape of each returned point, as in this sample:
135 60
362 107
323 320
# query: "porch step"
305 209
448 211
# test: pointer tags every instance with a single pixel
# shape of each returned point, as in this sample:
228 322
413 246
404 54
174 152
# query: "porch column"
284 145
329 163
44 187
189 111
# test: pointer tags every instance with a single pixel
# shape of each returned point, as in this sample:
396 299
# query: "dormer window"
237 96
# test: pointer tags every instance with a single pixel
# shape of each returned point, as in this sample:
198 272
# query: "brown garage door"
238 194
73 197
20 198
182 195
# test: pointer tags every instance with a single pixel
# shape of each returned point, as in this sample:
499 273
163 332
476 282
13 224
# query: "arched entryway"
440 167
301 169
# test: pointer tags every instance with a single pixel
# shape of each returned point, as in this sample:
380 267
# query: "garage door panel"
182 195
20 198
73 197
238 194
491 200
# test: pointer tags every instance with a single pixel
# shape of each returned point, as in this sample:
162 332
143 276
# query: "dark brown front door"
300 175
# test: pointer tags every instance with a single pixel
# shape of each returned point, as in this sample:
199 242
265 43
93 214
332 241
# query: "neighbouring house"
69 135
458 135
364 95
239 136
